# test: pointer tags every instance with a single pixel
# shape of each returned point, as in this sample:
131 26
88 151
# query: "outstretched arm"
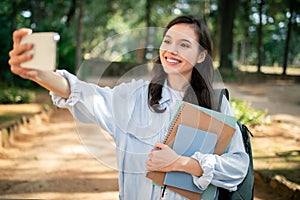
47 79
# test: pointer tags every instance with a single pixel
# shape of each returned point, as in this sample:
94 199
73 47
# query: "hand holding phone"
44 50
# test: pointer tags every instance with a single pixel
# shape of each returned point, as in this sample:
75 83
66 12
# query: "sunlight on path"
48 161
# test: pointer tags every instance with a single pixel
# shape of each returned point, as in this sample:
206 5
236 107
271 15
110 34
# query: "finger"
18 34
148 165
17 60
24 72
148 168
160 145
18 70
20 49
155 149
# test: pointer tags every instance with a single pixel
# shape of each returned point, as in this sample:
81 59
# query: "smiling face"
179 51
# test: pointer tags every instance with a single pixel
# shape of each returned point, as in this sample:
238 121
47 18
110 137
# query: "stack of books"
194 129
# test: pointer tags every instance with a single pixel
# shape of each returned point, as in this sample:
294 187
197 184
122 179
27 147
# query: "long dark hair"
200 91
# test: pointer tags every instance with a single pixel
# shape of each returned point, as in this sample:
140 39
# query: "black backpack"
245 190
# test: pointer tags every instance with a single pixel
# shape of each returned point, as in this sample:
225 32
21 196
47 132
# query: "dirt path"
281 99
51 163
48 161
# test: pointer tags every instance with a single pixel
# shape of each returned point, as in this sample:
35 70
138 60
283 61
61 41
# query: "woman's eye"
167 41
185 45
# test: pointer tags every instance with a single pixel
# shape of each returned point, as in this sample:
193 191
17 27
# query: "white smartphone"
44 50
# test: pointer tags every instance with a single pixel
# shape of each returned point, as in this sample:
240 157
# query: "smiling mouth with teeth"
173 61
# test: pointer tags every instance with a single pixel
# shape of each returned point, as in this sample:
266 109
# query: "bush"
16 96
246 114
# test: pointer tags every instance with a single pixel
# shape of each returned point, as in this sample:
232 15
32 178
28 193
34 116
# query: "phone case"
44 50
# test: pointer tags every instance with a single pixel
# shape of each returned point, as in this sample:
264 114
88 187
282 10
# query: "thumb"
160 145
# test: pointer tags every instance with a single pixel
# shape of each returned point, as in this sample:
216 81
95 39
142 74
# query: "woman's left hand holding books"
162 158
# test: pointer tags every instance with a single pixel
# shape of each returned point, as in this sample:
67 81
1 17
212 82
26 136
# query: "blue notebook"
188 140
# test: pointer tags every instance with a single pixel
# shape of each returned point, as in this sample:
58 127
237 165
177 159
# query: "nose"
172 49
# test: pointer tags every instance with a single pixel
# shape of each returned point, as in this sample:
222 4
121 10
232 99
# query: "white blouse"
124 112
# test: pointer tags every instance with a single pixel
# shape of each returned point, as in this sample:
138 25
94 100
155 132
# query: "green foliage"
106 18
246 114
15 95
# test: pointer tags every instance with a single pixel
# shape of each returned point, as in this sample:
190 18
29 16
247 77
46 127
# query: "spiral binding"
173 122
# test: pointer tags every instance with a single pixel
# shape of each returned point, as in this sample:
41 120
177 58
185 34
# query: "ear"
202 56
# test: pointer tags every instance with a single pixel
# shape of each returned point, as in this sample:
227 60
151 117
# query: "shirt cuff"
207 163
75 91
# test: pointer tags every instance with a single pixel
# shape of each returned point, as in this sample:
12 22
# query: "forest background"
245 32
261 36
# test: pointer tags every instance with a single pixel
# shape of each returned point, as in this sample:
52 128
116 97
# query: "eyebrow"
186 40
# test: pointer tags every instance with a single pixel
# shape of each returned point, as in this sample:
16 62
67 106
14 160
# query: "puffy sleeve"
227 170
87 102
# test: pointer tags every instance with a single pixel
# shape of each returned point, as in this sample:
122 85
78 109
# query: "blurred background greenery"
260 33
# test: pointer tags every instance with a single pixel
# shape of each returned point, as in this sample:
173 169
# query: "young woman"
137 114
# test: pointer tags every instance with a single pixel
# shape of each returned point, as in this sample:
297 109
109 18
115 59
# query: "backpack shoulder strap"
245 190
219 93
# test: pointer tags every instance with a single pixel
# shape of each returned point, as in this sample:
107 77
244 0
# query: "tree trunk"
71 12
260 36
79 36
148 24
287 41
245 26
227 11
